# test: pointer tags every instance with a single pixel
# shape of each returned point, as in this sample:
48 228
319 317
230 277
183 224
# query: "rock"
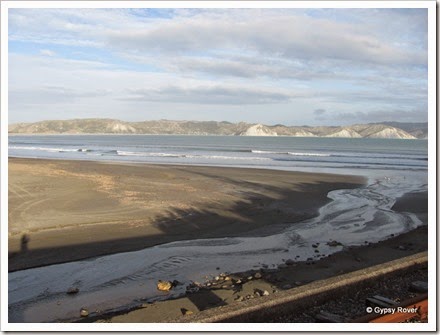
250 278
217 278
227 278
298 283
239 298
225 287
314 246
258 275
282 266
186 311
402 247
334 243
316 251
290 262
286 287
73 290
84 312
164 285
217 268
176 283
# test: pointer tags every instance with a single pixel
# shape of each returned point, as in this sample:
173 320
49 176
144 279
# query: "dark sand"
71 210
348 260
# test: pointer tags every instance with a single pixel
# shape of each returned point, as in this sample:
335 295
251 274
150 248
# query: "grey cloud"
210 95
413 115
290 37
319 112
50 95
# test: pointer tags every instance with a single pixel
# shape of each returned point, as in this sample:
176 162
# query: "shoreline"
125 207
237 202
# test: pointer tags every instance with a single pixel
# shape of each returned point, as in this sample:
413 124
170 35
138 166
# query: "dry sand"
70 210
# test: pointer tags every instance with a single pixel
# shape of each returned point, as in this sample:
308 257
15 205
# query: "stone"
217 278
84 312
227 278
334 243
238 281
164 285
298 283
286 287
186 311
239 298
290 262
314 246
250 278
73 290
258 275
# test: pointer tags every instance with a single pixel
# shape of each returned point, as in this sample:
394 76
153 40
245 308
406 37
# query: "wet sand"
70 210
293 275
62 211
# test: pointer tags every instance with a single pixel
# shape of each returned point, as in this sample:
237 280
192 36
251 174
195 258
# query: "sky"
288 66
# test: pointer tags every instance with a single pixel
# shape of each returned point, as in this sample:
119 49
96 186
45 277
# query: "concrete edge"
313 292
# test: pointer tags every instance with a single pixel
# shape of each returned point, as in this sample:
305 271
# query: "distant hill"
169 127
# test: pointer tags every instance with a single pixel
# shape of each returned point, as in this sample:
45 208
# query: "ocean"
333 155
392 168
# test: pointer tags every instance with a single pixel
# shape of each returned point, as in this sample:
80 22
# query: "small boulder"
164 285
84 312
258 275
73 290
334 243
289 262
186 311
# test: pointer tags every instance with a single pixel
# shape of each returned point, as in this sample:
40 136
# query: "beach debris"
260 293
289 262
72 290
186 311
164 285
419 286
334 243
258 275
239 298
84 312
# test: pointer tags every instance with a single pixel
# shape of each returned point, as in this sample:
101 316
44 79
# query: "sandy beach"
62 211
70 210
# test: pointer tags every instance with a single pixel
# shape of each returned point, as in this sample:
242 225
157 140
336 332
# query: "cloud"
319 112
302 65
219 95
47 52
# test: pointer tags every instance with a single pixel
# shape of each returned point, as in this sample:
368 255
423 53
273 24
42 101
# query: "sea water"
393 168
